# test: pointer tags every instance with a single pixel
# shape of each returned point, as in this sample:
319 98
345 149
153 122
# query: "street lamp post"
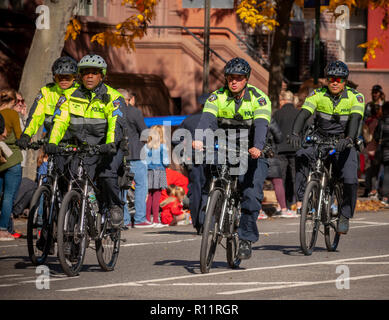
207 9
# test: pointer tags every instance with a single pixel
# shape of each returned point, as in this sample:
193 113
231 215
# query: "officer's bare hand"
197 144
255 153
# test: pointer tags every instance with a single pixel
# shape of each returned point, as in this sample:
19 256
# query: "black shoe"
343 224
244 251
116 216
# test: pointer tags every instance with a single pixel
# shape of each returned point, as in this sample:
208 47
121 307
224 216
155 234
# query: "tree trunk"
278 50
46 47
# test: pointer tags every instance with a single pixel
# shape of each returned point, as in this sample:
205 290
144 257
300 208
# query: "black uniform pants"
288 169
105 169
345 165
198 194
251 184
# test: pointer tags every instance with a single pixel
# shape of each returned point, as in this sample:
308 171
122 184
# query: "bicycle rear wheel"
309 224
210 237
39 231
233 241
71 243
331 236
107 247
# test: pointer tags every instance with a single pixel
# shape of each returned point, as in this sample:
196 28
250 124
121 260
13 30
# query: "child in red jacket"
172 206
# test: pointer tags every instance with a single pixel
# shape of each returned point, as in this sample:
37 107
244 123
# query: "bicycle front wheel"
71 242
210 237
233 240
39 230
331 235
107 244
309 223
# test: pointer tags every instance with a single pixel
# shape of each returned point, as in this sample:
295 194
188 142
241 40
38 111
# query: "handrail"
260 59
192 34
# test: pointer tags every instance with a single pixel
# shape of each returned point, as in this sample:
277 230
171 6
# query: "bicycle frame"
227 185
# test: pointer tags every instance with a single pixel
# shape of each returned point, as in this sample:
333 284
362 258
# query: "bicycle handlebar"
84 149
329 142
36 145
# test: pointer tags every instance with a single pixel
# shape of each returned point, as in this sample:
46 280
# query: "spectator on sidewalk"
157 161
372 163
274 136
284 117
172 208
135 125
378 99
381 135
11 170
21 108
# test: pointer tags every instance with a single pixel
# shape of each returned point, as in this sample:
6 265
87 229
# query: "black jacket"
382 132
274 136
285 118
135 126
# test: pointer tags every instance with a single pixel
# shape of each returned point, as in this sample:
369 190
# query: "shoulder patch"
60 101
360 98
212 97
262 102
116 103
39 96
312 93
117 112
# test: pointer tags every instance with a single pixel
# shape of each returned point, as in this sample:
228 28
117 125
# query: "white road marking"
141 282
11 275
156 242
293 285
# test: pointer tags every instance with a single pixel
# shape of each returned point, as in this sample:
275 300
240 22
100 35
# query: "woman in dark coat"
274 136
381 135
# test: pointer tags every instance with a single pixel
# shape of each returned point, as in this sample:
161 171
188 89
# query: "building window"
102 8
356 34
11 4
84 8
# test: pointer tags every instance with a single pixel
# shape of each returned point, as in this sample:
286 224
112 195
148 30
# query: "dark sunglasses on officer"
336 79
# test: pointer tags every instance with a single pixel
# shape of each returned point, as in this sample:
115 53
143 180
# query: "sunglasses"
20 101
85 72
336 79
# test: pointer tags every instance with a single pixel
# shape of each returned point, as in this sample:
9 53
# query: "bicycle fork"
224 209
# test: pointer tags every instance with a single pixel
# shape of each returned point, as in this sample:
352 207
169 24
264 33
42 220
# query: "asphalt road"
163 264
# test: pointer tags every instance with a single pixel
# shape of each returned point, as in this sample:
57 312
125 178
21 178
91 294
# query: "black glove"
108 148
343 144
22 143
51 148
294 140
124 147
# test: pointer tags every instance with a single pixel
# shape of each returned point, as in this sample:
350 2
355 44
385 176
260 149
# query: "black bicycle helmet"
337 69
237 66
64 65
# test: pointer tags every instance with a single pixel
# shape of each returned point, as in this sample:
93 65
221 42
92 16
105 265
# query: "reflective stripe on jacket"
333 113
45 103
91 116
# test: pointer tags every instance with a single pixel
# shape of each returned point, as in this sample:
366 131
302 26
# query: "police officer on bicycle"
339 111
50 98
239 105
94 114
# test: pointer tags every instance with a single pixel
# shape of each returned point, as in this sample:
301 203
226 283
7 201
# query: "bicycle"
322 198
44 207
81 219
222 217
